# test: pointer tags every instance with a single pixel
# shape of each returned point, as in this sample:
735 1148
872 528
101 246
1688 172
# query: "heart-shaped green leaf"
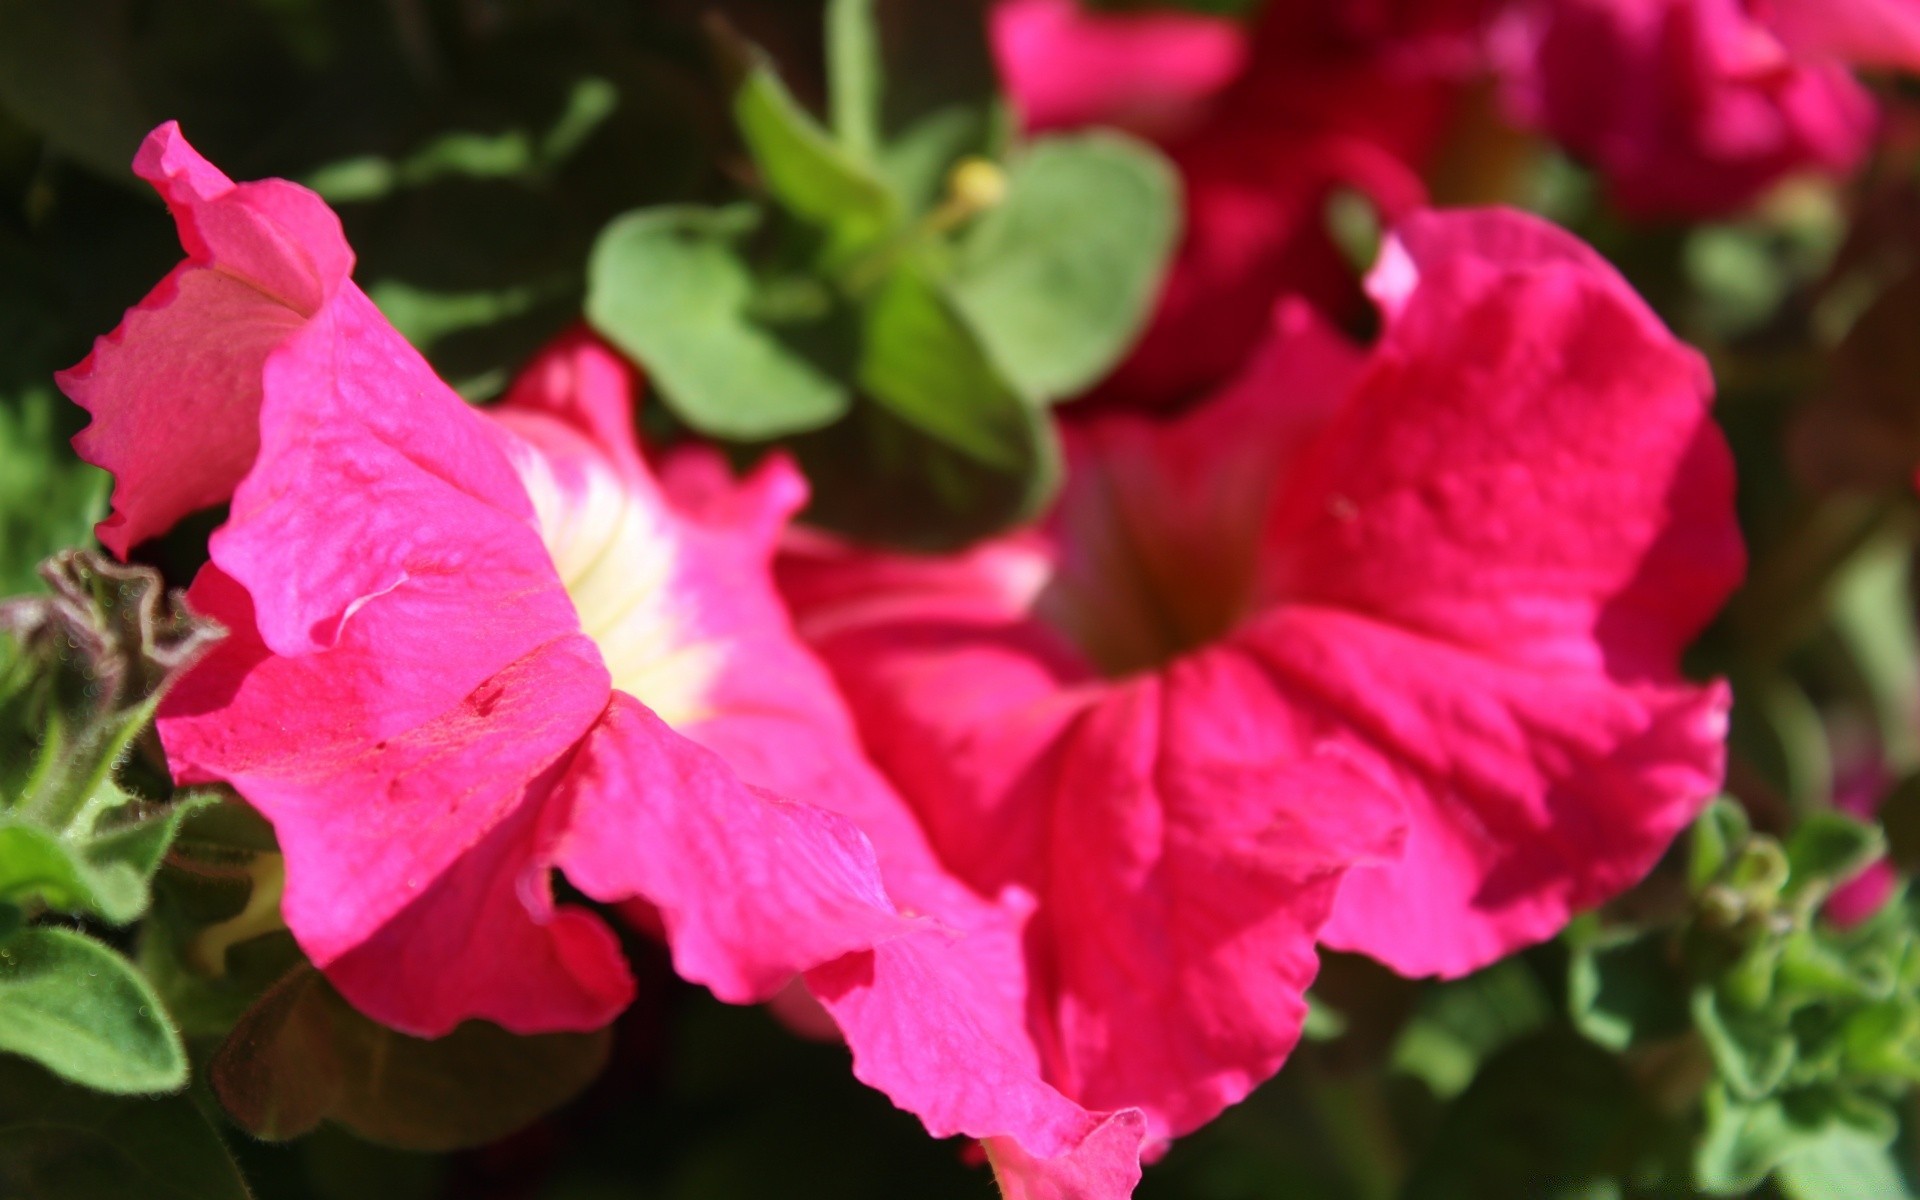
668 286
1059 278
303 1055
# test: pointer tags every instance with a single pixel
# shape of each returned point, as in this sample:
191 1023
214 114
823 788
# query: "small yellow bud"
976 185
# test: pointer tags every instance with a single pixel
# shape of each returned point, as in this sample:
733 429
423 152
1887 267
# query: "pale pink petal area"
398 803
935 1015
1688 108
752 888
1066 66
1105 1167
1867 33
174 389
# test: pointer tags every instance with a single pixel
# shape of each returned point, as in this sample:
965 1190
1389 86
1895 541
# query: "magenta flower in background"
1330 97
1693 108
428 686
1375 647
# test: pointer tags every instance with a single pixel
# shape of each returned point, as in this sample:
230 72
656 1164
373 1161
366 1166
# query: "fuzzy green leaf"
83 1011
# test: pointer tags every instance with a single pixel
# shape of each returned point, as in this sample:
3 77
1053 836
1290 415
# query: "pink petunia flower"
470 647
1693 108
434 685
1375 647
1327 97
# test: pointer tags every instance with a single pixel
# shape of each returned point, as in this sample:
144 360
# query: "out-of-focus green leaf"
1828 848
1624 991
1717 836
1744 1140
1872 609
1059 277
1753 1050
1504 1139
809 174
1460 1024
940 450
83 1011
60 1142
669 287
919 360
515 154
1844 1162
304 1055
49 499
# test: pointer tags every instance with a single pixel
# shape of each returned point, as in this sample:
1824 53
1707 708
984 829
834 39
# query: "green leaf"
49 499
60 1142
1742 1143
1623 992
807 173
1717 838
105 873
1827 848
303 1055
668 286
941 450
1745 1140
1551 1116
919 360
83 1011
1060 277
1460 1024
1844 1162
1753 1050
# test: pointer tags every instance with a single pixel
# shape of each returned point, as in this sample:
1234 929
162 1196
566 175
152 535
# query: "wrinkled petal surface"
1445 581
936 1013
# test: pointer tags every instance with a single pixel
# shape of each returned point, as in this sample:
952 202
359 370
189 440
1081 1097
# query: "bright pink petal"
1528 476
408 695
1066 66
1106 1166
936 1016
406 817
1467 563
753 888
174 389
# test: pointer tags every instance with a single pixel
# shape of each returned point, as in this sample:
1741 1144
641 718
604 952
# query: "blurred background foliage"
503 166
